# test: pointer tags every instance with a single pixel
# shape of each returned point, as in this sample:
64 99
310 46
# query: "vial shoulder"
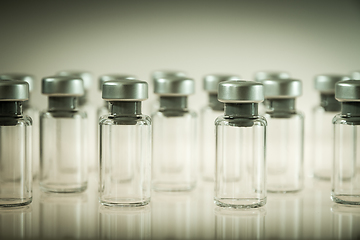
63 114
241 122
142 120
345 120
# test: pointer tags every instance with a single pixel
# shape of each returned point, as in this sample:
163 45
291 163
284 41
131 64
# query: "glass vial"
240 146
15 145
208 114
322 139
63 166
264 75
346 165
29 110
174 136
125 145
285 136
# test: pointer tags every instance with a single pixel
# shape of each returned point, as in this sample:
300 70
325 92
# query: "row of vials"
250 154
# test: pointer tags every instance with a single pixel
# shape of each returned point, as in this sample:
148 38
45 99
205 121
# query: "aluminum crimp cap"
174 86
115 76
30 79
355 75
272 75
348 91
282 88
62 86
125 90
211 81
85 76
166 74
14 90
325 83
240 91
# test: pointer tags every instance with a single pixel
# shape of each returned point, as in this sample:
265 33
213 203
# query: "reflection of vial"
15 145
264 75
208 114
346 165
31 111
174 136
163 74
285 138
63 166
125 145
322 125
240 146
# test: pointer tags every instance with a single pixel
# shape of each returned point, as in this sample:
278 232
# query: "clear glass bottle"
285 136
174 136
155 75
264 75
208 114
240 147
63 165
125 145
346 165
322 139
15 145
29 110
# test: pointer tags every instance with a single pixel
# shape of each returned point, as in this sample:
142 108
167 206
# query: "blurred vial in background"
125 145
174 136
86 104
163 74
15 145
323 133
208 115
264 75
30 110
63 166
240 180
285 136
346 165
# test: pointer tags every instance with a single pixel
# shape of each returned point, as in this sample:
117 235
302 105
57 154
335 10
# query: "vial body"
208 153
125 160
323 135
63 166
15 161
346 171
285 139
240 162
35 139
174 150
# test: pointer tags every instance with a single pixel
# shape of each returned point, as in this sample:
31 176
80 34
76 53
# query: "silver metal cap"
282 88
167 73
14 90
355 75
240 91
115 76
264 75
125 90
348 91
174 86
30 79
325 83
85 76
62 86
211 81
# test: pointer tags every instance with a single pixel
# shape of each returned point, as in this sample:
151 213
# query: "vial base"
345 199
173 187
240 202
63 188
124 202
14 202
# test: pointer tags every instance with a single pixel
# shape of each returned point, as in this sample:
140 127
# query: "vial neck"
173 103
350 109
241 109
329 103
214 102
10 109
62 103
124 108
285 105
